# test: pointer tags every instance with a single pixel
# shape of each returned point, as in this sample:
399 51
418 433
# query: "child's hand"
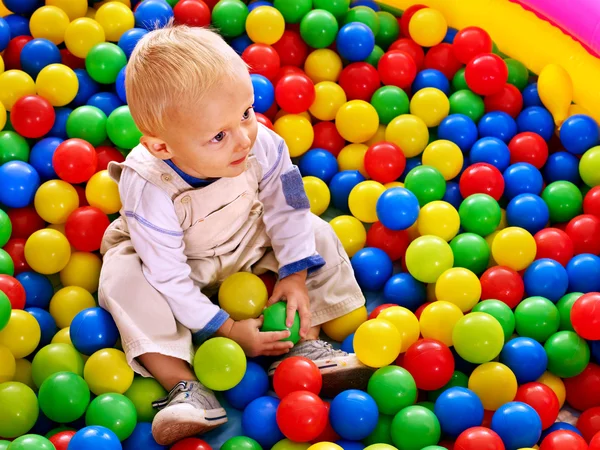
254 342
293 290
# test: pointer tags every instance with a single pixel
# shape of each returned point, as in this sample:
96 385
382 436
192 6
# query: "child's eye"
247 114
219 137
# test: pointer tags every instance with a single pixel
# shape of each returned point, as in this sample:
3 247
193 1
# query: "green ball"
274 320
427 183
589 167
104 62
286 444
518 75
393 388
229 18
142 393
390 102
7 266
501 312
55 358
4 445
87 123
389 29
172 3
366 15
19 409
564 306
568 354
537 318
467 103
241 443
64 397
459 82
339 8
433 447
375 56
5 310
31 442
415 427
471 251
121 128
113 411
293 10
480 214
382 434
564 200
319 28
458 379
5 228
13 147
220 364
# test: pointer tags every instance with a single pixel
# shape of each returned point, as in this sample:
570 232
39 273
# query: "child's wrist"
225 329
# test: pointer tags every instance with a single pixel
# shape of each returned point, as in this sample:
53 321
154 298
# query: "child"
209 192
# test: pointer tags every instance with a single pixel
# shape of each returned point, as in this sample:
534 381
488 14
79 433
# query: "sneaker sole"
170 426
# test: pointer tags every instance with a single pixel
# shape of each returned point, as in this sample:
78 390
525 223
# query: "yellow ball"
68 302
102 192
91 12
2 116
405 322
58 84
1 64
431 105
430 293
116 18
428 27
379 136
329 98
357 121
83 270
265 25
514 247
297 132
439 219
409 133
351 233
459 286
15 84
556 384
47 251
393 184
60 227
494 383
427 257
352 157
243 295
8 365
107 371
342 327
283 112
437 321
377 343
286 444
63 336
363 200
325 446
49 22
55 200
23 373
318 194
82 34
21 335
104 2
323 65
73 8
4 10
478 338
445 156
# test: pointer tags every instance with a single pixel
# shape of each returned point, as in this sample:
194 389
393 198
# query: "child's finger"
273 336
292 307
275 297
277 346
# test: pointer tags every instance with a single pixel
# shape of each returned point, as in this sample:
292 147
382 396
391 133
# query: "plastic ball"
542 399
296 374
95 438
64 397
275 320
470 42
582 270
319 28
528 147
55 200
243 295
583 315
121 128
21 335
393 389
508 100
55 358
430 363
437 321
82 34
467 103
478 337
497 124
482 178
492 151
384 162
518 424
397 208
372 267
301 416
18 184
459 129
556 384
355 41
526 358
13 291
476 438
415 427
49 22
579 133
458 409
92 330
427 27
130 38
546 278
426 183
357 121
19 409
142 392
259 421
408 132
427 257
85 227
445 156
363 200
514 247
564 200
58 84
297 133
351 232
486 74
405 322
113 411
37 54
318 194
323 65
237 443
220 372
141 437
564 439
389 102
521 178
568 354
397 68
431 105
353 414
404 290
528 211
9 366
328 99
102 192
494 383
480 214
377 343
105 60
106 371
537 120
440 219
537 318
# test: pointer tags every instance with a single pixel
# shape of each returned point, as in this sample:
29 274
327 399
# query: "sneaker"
340 370
188 410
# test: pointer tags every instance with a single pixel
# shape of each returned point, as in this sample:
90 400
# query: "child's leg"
168 371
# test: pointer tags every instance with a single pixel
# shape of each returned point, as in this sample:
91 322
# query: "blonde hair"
171 68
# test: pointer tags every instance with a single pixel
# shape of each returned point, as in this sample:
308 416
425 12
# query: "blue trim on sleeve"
311 263
277 162
192 181
211 327
150 225
293 189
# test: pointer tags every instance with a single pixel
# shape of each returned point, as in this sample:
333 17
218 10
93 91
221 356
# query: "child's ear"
156 146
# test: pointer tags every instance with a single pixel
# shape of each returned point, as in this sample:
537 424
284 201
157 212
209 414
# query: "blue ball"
4 34
458 409
47 325
517 424
259 421
340 186
579 133
107 102
559 426
452 194
522 178
528 211
431 78
459 129
368 3
59 129
595 350
318 163
25 7
41 155
526 357
264 93
254 384
584 273
120 85
562 166
372 268
38 289
142 438
130 38
353 414
37 54
397 208
536 119
242 42
450 35
87 88
405 290
348 344
355 41
497 124
411 163
93 329
492 151
258 3
95 438
547 278
531 96
19 25
152 14
19 182
350 445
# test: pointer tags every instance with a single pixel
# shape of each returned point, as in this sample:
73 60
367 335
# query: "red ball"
85 227
262 59
541 398
302 416
291 48
441 57
504 284
471 42
487 418
285 71
25 221
81 194
61 440
595 442
270 279
583 390
530 148
359 81
430 363
16 250
194 13
508 100
585 316
397 68
328 138
12 52
261 118
591 201
554 244
297 374
191 444
411 48
420 309
406 16
393 243
563 440
584 231
75 160
107 154
32 116
384 162
328 434
486 74
482 178
14 290
295 93
380 308
589 423
478 438
72 61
